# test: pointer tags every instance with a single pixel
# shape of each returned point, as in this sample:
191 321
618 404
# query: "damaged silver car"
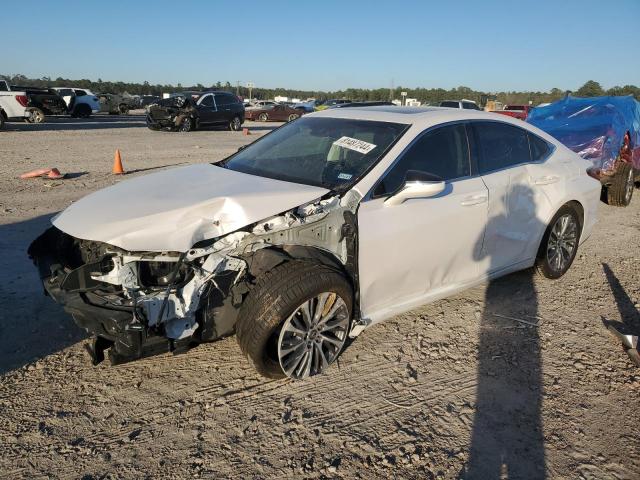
319 229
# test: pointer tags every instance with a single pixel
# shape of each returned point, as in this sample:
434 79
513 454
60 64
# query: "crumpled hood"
174 209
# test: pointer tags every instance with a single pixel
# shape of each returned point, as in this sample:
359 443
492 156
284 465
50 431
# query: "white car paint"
88 99
410 253
170 211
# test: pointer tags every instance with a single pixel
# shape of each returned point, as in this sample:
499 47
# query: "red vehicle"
278 113
516 111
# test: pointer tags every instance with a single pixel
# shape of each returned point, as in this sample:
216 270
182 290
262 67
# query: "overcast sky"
489 45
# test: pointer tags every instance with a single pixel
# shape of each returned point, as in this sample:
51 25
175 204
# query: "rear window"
540 149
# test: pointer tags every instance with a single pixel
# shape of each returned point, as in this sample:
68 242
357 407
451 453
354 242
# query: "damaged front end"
143 303
169 113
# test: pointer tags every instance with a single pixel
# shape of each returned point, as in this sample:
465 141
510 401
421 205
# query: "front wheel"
235 124
123 109
185 125
559 244
295 321
620 191
263 117
293 116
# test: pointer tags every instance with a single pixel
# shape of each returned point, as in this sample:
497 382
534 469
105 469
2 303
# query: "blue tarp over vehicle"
593 127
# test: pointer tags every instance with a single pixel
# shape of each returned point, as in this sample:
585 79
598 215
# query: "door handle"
474 200
546 180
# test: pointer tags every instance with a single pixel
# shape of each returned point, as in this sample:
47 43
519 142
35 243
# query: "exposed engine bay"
142 303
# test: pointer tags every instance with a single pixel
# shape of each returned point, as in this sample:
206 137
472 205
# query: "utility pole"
250 86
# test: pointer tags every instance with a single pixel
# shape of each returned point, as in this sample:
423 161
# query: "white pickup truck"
13 105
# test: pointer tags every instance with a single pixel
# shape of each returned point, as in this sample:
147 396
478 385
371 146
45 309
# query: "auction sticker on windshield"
354 144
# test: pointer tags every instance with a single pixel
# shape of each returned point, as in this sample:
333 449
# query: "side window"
80 93
443 152
540 149
225 100
468 106
207 101
500 146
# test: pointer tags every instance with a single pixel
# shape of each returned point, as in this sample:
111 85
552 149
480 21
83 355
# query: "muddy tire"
276 298
235 125
37 116
123 109
620 191
263 117
293 116
559 243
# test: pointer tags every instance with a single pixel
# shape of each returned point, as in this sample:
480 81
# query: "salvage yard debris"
46 173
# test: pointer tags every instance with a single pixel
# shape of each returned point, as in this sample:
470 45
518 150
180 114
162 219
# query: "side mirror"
417 184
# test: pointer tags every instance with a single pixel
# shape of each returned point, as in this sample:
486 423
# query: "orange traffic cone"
117 164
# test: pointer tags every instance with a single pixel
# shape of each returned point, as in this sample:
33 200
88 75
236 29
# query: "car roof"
422 117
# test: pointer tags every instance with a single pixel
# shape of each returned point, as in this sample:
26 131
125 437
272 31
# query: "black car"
42 101
188 111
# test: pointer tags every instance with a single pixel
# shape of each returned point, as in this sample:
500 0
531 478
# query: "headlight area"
136 304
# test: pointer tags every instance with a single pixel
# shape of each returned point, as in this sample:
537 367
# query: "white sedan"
314 232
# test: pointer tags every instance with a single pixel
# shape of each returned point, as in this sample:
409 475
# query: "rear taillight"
22 100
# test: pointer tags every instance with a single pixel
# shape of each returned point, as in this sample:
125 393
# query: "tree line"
430 96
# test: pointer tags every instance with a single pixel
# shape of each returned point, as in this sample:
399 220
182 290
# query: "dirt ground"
450 390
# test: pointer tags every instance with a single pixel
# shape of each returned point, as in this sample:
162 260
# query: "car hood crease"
176 208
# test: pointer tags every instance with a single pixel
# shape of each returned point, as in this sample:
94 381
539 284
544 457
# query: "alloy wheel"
562 243
313 336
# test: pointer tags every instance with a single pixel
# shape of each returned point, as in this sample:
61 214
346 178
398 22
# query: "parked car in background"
516 111
361 104
113 104
188 111
603 130
331 103
277 113
305 107
13 105
314 232
80 102
146 100
464 104
257 104
42 102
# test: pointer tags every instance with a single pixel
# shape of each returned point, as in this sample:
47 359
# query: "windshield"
324 152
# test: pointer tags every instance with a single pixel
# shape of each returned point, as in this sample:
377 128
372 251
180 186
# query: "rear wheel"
82 111
295 321
293 116
620 191
37 115
123 109
559 243
235 124
263 117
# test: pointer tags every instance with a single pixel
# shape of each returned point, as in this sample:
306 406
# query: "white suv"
80 101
